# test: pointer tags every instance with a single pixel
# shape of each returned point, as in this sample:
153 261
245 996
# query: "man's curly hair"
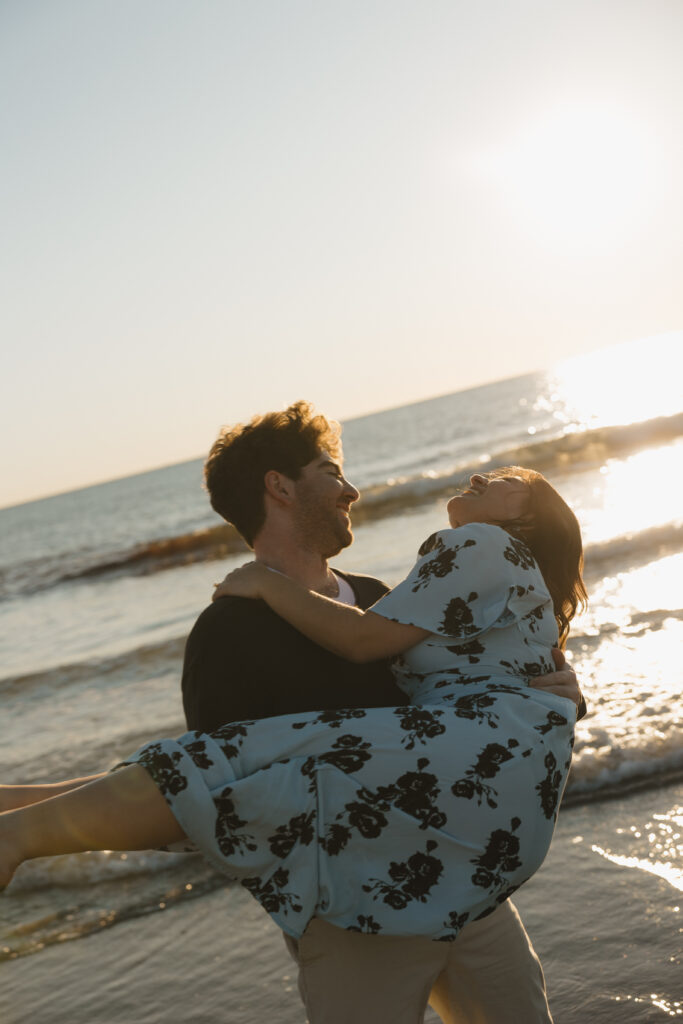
241 456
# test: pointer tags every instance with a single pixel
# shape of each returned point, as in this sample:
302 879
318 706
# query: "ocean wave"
569 452
138 663
608 774
94 891
32 576
149 659
633 549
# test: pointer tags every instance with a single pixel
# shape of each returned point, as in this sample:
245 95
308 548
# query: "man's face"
323 502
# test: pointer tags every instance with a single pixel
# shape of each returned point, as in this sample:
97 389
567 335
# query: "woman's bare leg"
123 810
13 797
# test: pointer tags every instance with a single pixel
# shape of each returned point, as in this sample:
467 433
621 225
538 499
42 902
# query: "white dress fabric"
401 821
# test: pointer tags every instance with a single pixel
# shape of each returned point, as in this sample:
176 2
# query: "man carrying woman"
284 489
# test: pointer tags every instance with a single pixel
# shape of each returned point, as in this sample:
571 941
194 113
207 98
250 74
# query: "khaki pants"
489 975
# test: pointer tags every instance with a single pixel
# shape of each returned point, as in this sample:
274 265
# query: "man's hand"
563 682
250 580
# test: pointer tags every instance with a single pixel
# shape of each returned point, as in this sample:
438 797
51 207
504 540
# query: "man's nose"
351 492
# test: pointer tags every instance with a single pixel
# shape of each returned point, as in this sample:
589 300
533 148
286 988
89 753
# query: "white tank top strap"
346 594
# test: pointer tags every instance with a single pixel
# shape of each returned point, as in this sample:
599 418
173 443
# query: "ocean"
100 587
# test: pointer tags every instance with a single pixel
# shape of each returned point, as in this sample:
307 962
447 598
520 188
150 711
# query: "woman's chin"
457 512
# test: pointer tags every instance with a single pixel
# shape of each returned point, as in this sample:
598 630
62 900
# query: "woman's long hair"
551 531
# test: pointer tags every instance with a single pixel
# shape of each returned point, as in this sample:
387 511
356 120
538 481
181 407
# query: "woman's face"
498 500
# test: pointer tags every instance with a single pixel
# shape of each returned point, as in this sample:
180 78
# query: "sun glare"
578 170
626 383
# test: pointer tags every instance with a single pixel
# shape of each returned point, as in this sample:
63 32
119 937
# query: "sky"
210 209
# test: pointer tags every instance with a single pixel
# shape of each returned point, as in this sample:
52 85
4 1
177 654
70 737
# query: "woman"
409 820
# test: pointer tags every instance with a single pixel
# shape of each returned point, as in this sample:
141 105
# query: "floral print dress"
403 821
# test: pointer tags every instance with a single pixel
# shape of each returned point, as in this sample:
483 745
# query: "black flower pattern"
298 829
518 553
458 619
549 787
470 649
421 724
410 880
336 839
499 857
534 618
348 754
163 768
231 737
443 562
477 707
433 543
458 676
366 925
456 921
230 840
487 766
416 792
528 669
270 894
197 752
552 721
367 820
334 718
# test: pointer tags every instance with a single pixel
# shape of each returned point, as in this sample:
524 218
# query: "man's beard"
324 531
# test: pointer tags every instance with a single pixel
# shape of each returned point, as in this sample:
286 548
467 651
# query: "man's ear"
279 487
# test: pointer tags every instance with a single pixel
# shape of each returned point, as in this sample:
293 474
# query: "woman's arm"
349 632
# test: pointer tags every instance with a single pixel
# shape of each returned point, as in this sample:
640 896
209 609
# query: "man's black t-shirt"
242 661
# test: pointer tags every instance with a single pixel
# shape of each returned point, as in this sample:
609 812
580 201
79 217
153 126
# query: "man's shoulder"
228 613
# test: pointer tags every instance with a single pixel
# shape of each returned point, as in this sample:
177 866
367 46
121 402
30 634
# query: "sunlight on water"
628 661
624 384
617 599
671 1008
635 725
655 847
674 876
634 494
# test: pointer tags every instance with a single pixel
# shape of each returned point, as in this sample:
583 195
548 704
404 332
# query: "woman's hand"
248 581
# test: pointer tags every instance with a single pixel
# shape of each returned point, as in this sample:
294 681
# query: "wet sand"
610 937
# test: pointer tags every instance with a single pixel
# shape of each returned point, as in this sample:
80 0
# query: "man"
279 481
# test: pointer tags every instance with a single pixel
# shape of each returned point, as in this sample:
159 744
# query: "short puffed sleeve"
464 581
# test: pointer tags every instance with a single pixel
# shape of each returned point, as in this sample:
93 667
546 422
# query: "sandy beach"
610 936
